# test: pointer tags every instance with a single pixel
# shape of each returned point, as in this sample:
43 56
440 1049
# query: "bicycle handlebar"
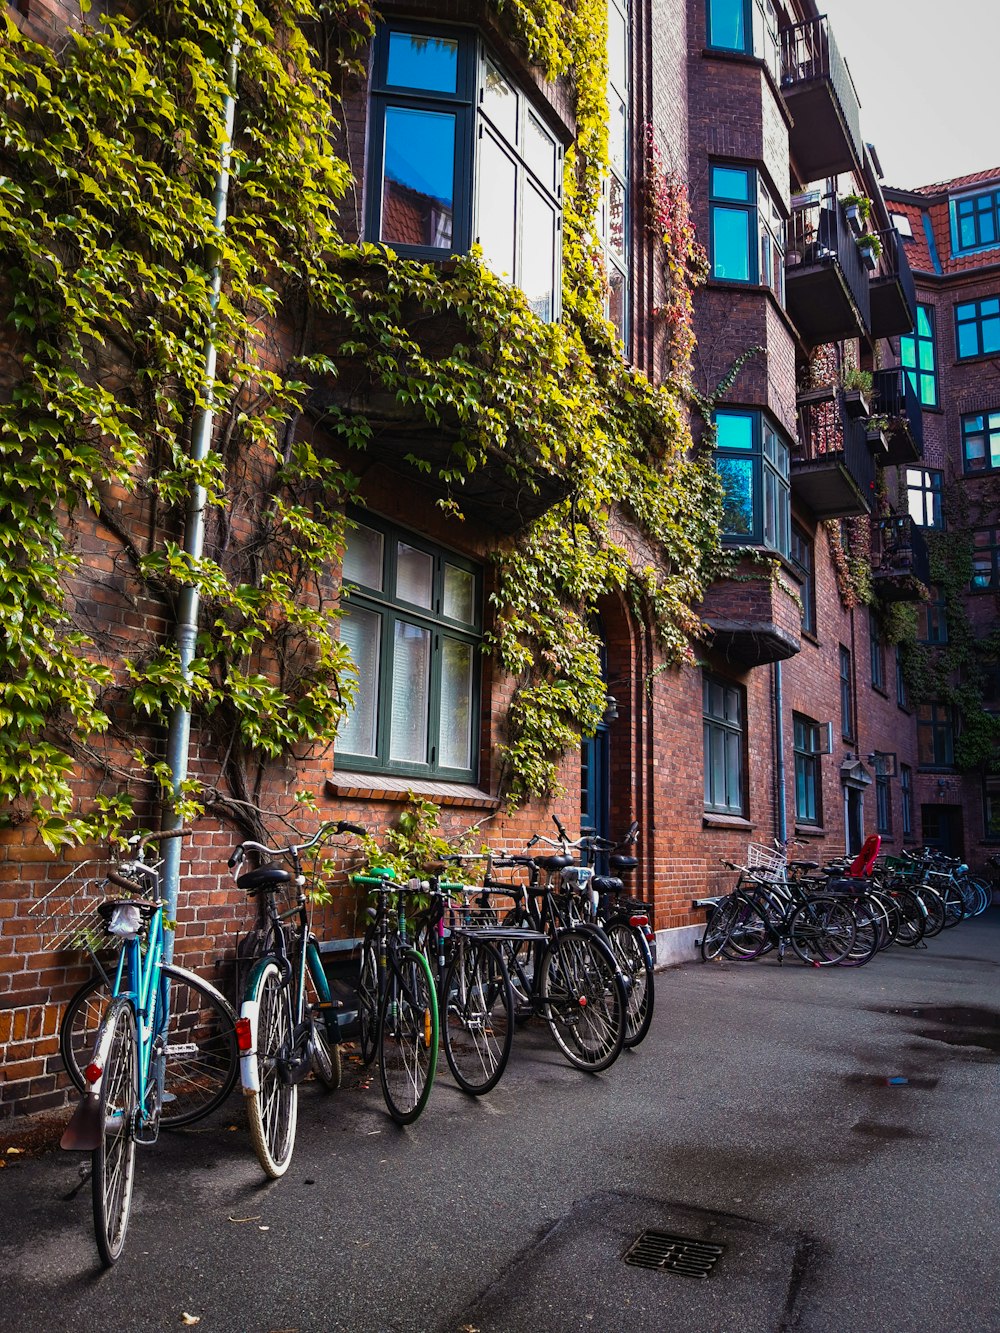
330 829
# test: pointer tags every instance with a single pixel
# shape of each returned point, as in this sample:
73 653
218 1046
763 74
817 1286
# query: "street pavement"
764 1114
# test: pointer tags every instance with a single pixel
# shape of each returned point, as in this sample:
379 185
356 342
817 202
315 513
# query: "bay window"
459 155
753 461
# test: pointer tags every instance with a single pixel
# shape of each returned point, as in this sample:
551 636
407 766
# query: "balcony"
819 92
754 618
894 400
893 293
833 469
826 283
900 561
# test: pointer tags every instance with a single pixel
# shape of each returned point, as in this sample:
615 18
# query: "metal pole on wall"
186 630
779 757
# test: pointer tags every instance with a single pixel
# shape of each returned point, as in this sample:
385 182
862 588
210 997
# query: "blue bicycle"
165 1048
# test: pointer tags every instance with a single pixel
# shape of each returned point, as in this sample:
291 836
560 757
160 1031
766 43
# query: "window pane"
456 704
540 152
616 301
459 594
968 343
410 693
414 575
731 183
616 217
923 321
363 557
731 244
738 506
418 188
617 134
500 102
497 193
991 335
727 27
617 48
538 248
734 430
361 632
429 63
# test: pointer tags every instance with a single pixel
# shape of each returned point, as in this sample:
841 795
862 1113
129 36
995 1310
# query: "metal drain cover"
673 1254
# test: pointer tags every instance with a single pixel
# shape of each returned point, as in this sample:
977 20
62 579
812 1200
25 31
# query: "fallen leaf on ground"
256 1218
190 1318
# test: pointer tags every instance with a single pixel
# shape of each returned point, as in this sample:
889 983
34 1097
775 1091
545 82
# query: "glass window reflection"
427 63
418 190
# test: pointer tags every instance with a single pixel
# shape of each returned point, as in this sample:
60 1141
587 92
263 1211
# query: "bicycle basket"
67 915
764 858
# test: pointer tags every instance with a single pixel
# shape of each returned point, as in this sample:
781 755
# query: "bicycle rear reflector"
93 1071
244 1034
673 1254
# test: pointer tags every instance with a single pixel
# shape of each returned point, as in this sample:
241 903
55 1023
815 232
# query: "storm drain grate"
673 1254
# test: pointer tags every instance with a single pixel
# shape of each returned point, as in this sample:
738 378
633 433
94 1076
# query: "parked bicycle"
163 1050
288 1024
397 1001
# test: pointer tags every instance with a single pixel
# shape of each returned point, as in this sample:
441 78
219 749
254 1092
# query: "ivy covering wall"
109 152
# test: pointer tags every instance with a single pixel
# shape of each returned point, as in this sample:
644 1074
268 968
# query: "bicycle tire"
822 931
477 1015
327 1059
368 1000
912 918
954 905
636 961
113 1160
520 959
408 1035
867 936
272 1107
196 1080
717 925
934 907
583 999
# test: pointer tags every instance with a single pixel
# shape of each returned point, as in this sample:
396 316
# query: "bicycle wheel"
934 907
583 999
867 936
520 958
912 918
408 1036
717 927
272 1106
954 905
634 959
476 1014
327 1062
113 1160
822 930
368 1005
202 1061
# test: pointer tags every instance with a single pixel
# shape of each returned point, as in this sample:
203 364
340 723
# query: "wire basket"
67 915
767 859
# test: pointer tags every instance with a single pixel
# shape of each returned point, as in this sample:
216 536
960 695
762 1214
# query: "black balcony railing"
826 134
893 398
826 282
833 469
893 291
901 568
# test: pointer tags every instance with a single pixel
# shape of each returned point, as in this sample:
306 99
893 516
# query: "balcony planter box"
856 403
868 257
854 219
878 442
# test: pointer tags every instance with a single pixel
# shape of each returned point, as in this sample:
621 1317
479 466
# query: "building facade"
790 714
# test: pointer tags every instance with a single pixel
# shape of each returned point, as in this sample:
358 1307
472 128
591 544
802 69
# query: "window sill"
710 820
810 831
383 787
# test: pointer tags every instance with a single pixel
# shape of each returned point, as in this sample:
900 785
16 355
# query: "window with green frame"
976 221
724 733
806 747
748 26
924 492
615 201
412 619
746 229
977 327
753 462
883 804
981 441
802 557
457 154
906 799
918 353
935 735
991 808
985 560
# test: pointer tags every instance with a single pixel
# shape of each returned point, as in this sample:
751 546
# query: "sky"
926 72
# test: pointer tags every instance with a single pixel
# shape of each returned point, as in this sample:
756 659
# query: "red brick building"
794 720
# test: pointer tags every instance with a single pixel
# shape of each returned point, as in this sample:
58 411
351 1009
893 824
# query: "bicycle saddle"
553 862
268 879
606 884
623 863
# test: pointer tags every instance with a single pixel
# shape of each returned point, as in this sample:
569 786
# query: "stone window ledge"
386 787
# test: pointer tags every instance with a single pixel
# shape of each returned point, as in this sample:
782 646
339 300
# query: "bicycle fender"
249 1074
83 1133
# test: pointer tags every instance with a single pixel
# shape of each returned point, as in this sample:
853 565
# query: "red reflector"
93 1072
639 920
244 1034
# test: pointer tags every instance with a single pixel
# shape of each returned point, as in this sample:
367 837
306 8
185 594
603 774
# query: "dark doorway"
942 828
595 772
855 819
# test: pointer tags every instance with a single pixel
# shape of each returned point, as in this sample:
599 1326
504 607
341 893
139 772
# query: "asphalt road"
760 1115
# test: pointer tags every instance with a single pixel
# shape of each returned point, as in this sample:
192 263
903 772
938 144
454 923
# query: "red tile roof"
928 206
